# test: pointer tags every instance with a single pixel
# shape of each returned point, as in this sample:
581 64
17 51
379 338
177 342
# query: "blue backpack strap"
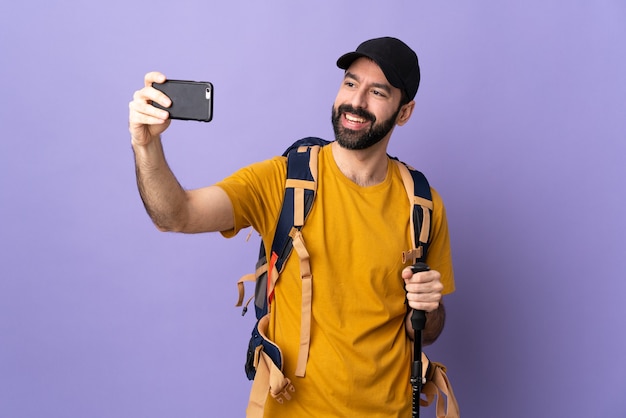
422 211
297 203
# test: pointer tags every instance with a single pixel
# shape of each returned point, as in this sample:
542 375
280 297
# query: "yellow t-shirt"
359 359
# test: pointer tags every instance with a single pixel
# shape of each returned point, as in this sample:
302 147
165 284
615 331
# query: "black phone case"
191 100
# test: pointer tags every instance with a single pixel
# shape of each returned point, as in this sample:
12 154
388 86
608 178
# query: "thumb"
407 273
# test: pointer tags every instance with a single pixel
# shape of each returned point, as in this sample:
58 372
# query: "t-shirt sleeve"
256 195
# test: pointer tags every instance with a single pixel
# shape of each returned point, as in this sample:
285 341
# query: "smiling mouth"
354 119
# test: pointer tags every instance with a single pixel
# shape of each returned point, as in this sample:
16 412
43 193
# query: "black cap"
397 61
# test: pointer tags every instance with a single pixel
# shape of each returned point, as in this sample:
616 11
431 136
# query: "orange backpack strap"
420 198
307 298
269 376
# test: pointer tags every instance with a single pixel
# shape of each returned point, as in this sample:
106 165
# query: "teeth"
355 119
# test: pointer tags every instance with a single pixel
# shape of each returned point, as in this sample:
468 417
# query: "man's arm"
170 206
435 322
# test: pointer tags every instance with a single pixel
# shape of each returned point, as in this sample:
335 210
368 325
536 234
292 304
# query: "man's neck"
366 167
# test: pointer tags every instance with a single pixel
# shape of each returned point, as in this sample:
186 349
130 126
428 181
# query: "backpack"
263 356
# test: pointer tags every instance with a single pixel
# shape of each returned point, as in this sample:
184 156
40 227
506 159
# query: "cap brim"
346 60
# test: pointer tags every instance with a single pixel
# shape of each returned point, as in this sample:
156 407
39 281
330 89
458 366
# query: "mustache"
345 108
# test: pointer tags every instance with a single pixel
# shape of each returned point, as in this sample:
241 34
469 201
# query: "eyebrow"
382 86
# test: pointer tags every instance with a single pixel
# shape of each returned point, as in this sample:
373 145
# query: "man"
360 347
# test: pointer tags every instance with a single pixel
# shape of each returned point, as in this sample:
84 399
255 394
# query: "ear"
405 113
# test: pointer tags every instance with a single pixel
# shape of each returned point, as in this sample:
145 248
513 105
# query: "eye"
379 93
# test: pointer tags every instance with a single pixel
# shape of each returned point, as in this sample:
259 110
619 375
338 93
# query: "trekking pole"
418 320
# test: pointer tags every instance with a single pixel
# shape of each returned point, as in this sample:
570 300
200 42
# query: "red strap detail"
270 270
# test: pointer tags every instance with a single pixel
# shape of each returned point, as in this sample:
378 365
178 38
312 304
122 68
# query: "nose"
359 99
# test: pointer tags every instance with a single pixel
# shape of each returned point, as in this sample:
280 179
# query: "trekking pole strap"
438 386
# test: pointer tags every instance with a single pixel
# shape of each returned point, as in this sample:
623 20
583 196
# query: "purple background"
520 124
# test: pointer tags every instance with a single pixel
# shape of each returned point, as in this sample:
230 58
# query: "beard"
356 140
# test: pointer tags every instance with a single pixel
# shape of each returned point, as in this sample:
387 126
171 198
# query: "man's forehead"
381 83
363 68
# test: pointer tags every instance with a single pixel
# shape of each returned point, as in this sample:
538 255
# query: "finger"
425 276
423 297
414 292
424 301
424 306
150 95
139 109
407 273
143 99
146 120
421 277
153 77
434 286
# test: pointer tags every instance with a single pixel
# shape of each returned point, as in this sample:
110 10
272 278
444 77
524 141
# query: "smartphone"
191 100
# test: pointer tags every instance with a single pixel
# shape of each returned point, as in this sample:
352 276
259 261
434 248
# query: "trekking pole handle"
418 317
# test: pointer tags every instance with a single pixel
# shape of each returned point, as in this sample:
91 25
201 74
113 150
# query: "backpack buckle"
412 254
284 395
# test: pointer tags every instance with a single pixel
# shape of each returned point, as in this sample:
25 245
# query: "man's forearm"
162 195
435 322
